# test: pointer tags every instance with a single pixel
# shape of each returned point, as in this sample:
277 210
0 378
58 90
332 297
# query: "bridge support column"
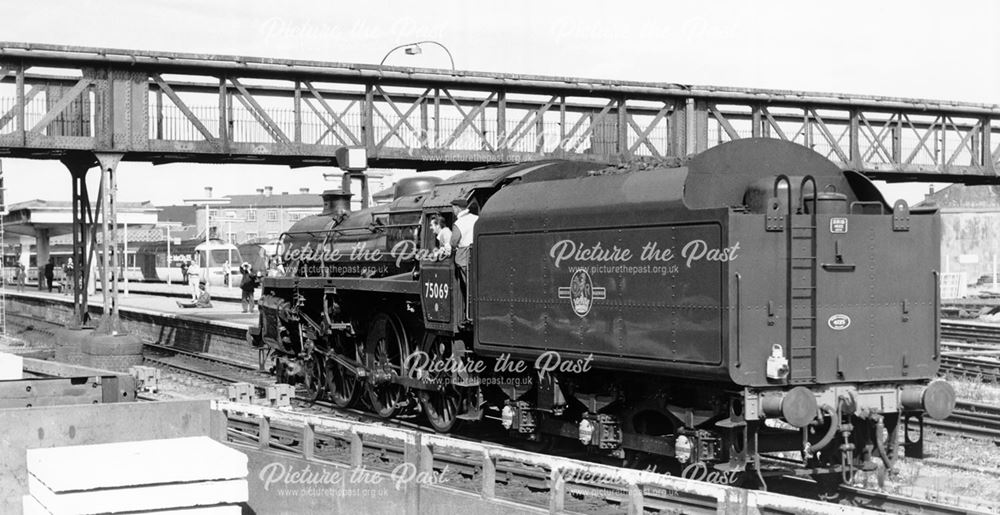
41 255
83 246
110 323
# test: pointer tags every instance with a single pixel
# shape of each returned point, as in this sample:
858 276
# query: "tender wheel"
387 347
441 407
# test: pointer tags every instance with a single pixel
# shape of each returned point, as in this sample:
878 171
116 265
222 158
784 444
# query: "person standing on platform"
466 215
68 272
193 273
247 287
50 274
19 276
226 271
184 271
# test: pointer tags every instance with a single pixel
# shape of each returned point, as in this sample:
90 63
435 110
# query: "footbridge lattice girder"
167 107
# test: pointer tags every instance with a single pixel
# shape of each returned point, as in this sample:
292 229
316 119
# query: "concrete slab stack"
192 475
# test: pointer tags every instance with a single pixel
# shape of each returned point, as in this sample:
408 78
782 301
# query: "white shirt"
465 223
444 240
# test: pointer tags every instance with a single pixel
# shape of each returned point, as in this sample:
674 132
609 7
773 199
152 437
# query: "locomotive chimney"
336 202
268 190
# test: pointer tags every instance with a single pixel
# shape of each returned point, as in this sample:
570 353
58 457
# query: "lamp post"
229 240
125 257
168 226
414 49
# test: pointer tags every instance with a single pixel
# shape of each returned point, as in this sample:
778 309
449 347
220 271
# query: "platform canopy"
55 216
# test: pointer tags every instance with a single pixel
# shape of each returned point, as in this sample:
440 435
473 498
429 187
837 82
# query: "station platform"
220 330
158 298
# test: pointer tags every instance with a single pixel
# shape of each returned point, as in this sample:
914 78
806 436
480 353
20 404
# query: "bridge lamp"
415 49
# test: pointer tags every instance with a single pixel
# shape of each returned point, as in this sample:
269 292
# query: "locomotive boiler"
746 311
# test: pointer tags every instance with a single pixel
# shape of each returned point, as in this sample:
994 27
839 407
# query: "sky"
921 49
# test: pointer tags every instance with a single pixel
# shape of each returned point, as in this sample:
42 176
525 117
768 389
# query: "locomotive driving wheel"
386 348
341 384
441 406
314 376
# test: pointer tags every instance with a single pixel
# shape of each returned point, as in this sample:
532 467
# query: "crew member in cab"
466 215
442 237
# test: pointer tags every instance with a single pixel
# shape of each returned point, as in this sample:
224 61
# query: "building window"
251 215
272 215
230 214
272 235
251 236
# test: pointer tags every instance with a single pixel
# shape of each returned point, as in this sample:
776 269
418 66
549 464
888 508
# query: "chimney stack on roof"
260 191
268 190
208 191
930 192
303 190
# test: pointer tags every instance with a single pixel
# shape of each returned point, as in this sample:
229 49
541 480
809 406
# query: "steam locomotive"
751 310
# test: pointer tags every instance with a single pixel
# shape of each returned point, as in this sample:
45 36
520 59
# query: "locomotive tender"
707 314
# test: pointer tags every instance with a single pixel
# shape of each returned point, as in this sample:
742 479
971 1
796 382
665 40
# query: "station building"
257 217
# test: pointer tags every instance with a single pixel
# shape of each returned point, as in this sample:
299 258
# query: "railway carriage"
711 314
158 262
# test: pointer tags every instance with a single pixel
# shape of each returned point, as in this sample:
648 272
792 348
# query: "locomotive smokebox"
336 202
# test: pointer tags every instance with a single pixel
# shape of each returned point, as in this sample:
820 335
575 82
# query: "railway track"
970 419
978 368
971 350
220 369
970 332
892 503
